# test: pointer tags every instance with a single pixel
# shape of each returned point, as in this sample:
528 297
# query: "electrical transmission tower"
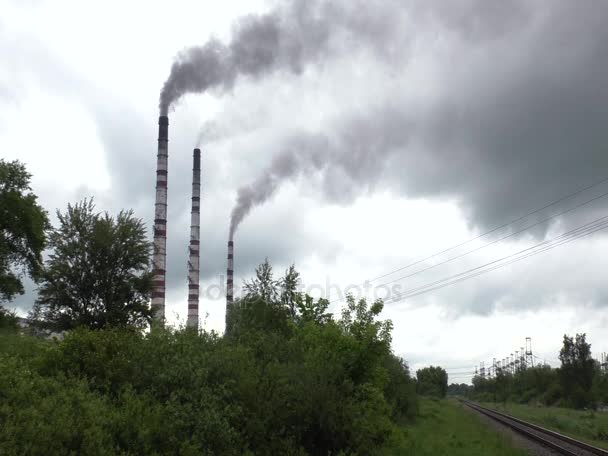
516 362
529 356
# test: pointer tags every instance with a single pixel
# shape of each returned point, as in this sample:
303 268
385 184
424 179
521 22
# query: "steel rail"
523 427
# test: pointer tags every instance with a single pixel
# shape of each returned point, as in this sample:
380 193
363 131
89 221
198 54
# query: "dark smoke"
260 44
303 153
288 38
499 137
349 163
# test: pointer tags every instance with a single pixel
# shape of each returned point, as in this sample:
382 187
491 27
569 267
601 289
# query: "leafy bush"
432 381
280 382
579 383
8 320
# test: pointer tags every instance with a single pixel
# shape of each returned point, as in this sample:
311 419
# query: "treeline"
432 381
459 389
276 383
579 382
287 377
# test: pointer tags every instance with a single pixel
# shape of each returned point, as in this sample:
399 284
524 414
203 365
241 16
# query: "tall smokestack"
159 258
195 232
229 280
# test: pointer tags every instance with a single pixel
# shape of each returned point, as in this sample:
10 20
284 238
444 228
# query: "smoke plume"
301 153
288 38
349 162
498 137
260 44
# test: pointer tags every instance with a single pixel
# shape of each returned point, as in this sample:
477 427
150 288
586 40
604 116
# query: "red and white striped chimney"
229 279
159 258
194 248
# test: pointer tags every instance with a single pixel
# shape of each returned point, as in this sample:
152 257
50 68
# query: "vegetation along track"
554 440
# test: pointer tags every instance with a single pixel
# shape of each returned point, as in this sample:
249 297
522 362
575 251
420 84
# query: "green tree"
432 381
577 370
311 310
400 390
289 290
313 385
459 389
8 320
360 320
23 223
97 274
263 284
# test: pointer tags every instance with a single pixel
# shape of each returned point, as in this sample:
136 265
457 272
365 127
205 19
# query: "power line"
555 243
518 259
496 240
492 231
564 238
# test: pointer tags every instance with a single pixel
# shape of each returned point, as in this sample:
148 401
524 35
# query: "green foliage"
400 390
22 229
289 290
600 386
42 415
538 384
263 284
8 320
459 389
577 371
310 310
578 383
97 274
445 428
432 381
584 425
278 383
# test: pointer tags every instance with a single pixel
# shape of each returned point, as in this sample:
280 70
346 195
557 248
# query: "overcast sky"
413 126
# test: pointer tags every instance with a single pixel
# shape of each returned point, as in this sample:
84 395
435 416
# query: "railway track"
557 442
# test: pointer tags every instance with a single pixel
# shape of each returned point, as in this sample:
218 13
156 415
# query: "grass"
445 428
589 426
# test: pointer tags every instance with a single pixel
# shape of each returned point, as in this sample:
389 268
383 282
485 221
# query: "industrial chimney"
194 248
229 280
159 258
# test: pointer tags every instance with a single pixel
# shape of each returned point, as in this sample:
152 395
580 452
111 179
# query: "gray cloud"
350 166
476 20
515 118
521 122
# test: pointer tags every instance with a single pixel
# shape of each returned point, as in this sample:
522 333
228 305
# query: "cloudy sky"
373 134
